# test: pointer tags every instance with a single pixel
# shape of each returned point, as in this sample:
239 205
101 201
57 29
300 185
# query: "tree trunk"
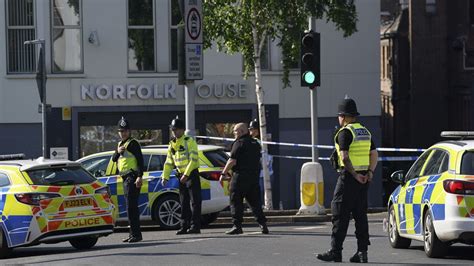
261 115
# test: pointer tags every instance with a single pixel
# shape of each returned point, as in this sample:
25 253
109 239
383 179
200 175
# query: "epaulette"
186 138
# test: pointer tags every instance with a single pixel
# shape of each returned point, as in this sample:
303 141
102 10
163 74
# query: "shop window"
175 20
66 36
223 130
105 138
21 27
141 36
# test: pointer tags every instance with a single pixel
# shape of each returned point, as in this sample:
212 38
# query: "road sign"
194 66
193 21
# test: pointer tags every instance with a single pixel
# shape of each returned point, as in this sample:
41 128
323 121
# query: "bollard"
311 189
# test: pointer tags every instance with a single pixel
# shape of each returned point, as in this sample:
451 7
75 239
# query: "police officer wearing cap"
183 154
254 129
357 159
129 160
244 183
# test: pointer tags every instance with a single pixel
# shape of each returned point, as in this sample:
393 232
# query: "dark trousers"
350 197
191 199
251 192
132 193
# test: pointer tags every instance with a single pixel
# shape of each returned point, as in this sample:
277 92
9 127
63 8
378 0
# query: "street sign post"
193 39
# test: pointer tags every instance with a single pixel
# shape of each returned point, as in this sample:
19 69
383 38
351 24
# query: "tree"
243 26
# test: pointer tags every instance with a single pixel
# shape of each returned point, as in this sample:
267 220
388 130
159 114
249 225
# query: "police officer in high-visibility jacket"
129 158
357 159
183 154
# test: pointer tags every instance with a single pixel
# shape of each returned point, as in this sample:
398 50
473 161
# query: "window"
4 181
66 36
141 36
60 176
218 158
156 163
415 170
21 27
97 166
176 19
467 163
433 166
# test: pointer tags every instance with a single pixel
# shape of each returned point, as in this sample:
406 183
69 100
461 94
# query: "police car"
50 201
161 204
434 202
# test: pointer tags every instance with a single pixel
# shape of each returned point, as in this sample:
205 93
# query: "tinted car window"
433 166
60 176
467 163
97 166
415 170
156 163
218 158
4 181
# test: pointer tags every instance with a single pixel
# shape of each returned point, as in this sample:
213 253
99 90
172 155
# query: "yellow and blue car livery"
33 211
440 183
158 203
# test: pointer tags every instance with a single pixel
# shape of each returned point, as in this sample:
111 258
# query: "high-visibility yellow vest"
359 150
127 160
182 154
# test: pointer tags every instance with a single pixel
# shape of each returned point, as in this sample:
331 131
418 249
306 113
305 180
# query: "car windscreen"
60 176
467 163
218 158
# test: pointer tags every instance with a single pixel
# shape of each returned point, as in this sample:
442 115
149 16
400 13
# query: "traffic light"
310 59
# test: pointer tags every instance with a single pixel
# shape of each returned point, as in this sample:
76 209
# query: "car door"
404 199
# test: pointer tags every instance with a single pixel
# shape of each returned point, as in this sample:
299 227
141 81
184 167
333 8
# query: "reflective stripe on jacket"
359 150
182 154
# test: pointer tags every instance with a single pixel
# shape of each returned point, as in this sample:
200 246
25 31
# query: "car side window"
156 163
433 166
146 161
445 164
4 180
415 170
97 166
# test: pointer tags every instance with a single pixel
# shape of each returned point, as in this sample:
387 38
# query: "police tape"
381 159
327 147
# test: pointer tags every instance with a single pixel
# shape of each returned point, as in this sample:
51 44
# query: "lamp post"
41 82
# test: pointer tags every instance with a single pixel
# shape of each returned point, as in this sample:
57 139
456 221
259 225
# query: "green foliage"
230 25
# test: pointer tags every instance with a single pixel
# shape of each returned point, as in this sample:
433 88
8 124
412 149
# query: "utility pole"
41 82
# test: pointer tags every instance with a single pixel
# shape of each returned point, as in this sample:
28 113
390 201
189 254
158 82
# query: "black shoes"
182 231
235 230
264 229
359 257
194 231
330 255
132 239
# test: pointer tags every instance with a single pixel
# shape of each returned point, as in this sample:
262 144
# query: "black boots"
182 231
264 229
330 255
235 230
359 257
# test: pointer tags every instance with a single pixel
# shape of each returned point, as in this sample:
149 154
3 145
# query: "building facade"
111 58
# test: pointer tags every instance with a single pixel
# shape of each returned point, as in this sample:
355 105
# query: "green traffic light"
309 77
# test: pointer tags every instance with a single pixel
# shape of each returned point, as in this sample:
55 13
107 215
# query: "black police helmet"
348 107
177 123
254 124
123 123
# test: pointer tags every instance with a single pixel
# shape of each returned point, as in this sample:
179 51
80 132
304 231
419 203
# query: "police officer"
245 163
254 129
129 160
357 159
183 154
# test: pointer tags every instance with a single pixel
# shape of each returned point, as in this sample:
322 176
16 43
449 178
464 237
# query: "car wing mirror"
398 177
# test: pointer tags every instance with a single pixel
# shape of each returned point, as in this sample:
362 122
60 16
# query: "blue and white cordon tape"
328 147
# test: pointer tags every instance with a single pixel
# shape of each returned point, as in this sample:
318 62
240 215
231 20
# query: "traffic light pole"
314 109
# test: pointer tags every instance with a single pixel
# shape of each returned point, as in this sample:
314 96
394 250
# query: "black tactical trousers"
350 197
191 199
251 192
132 193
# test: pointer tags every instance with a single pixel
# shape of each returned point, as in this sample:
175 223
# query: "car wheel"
84 242
396 241
5 251
209 218
434 248
167 211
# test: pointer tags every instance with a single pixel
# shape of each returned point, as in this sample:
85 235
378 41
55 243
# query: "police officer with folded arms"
356 161
244 183
183 154
129 158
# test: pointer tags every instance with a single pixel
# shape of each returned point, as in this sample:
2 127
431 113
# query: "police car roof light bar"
462 135
7 157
